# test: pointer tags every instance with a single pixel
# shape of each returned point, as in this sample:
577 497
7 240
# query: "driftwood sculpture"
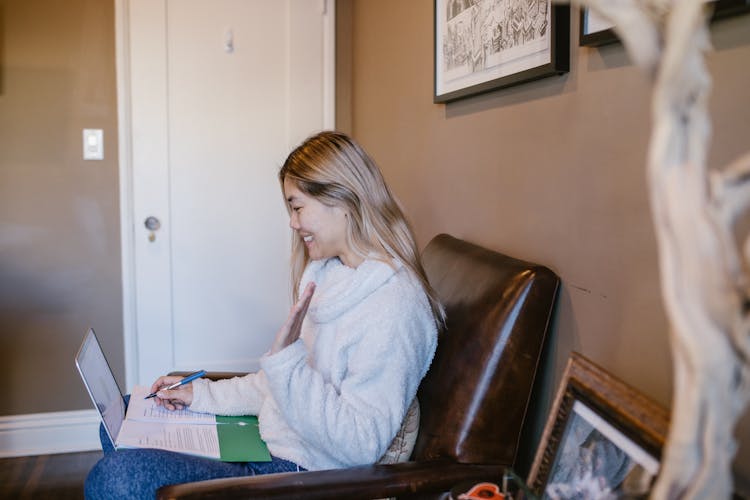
701 221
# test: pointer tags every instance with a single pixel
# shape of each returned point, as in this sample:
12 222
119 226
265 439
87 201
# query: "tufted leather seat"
473 400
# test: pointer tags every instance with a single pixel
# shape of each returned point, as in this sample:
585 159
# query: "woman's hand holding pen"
292 327
174 399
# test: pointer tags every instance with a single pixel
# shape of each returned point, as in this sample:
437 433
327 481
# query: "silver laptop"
101 384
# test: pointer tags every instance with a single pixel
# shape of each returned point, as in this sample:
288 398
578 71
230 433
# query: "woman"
344 368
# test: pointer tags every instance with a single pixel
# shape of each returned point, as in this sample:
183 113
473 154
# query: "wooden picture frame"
599 428
594 32
483 45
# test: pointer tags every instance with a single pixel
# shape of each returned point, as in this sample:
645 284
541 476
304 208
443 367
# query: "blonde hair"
334 169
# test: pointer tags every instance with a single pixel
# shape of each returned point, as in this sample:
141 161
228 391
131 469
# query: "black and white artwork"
595 31
596 461
486 44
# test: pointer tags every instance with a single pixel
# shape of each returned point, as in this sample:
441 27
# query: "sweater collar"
339 288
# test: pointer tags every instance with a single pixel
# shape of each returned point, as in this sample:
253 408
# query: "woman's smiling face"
321 227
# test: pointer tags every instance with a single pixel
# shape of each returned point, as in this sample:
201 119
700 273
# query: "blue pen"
184 381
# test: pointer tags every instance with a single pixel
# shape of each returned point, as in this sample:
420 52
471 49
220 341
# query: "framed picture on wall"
595 31
482 45
602 438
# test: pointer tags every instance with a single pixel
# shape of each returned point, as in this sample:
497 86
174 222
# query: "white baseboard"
48 433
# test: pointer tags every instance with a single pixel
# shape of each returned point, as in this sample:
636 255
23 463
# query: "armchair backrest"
474 398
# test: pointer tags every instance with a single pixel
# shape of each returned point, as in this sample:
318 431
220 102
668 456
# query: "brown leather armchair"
473 400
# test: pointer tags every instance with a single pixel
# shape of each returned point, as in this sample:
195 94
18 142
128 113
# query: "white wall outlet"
93 144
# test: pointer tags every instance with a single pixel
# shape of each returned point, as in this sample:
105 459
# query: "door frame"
125 161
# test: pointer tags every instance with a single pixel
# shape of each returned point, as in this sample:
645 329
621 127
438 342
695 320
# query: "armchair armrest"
365 482
211 375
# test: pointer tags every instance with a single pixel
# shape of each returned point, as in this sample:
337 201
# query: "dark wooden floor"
46 476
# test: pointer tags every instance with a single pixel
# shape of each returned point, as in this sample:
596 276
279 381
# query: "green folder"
239 440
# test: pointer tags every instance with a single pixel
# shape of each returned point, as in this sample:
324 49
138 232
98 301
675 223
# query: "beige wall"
59 220
551 171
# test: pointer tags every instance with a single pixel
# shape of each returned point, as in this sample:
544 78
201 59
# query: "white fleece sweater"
337 396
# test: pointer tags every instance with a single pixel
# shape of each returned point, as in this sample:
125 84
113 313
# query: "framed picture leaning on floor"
602 438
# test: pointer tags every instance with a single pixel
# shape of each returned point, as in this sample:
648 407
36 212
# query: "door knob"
152 224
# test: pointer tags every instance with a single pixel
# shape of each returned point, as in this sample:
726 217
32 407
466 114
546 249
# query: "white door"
213 95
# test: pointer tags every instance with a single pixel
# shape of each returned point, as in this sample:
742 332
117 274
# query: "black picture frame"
601 429
728 8
597 37
478 47
591 37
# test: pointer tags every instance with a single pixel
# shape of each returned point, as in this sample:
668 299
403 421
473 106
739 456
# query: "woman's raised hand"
292 327
175 399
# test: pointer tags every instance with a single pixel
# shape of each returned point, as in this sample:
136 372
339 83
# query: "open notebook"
146 425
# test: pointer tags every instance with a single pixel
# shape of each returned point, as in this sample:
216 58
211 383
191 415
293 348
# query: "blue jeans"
138 473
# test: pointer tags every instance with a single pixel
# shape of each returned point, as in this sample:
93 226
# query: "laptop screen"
101 384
